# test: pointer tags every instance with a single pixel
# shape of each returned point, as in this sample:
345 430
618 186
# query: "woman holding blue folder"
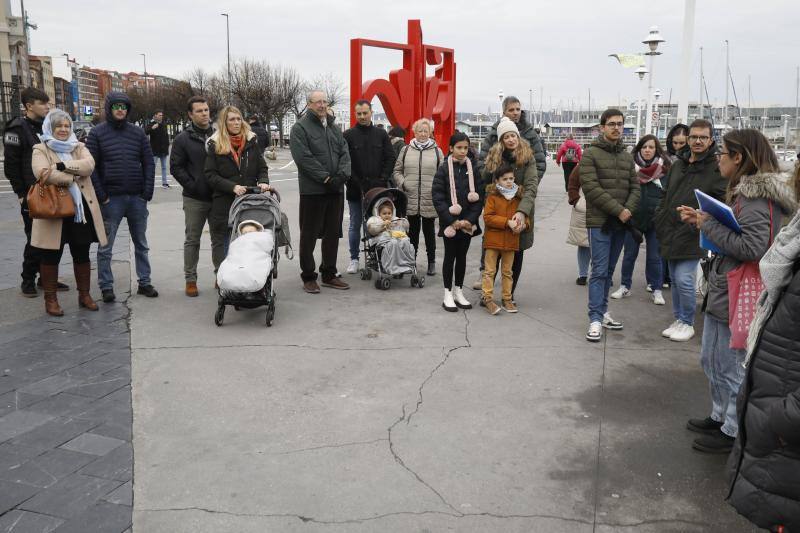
759 196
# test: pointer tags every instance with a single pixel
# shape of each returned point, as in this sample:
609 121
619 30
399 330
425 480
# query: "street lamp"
641 72
656 96
144 59
228 43
652 40
785 119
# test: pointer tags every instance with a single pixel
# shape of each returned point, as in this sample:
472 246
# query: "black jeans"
568 168
30 255
320 217
79 252
428 230
455 259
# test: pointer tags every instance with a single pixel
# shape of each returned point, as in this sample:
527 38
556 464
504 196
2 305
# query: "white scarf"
422 146
508 194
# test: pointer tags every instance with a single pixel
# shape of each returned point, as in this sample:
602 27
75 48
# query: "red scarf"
650 172
237 147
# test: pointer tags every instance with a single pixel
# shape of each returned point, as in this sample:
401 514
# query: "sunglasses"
119 107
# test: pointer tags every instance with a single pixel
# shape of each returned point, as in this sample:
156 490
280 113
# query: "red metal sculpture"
409 94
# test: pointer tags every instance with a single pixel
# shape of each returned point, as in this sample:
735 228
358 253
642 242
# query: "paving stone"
118 464
27 522
11 455
92 444
122 395
123 495
95 367
71 496
15 400
46 469
53 433
103 517
100 386
12 494
107 410
19 422
63 404
120 431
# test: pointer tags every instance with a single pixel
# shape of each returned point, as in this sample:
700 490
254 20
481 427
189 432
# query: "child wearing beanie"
456 192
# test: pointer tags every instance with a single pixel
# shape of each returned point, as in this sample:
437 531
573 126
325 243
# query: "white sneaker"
461 301
682 333
448 303
622 292
649 288
352 268
595 333
610 323
658 298
671 329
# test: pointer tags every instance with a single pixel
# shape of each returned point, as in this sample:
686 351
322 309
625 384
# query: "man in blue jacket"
123 181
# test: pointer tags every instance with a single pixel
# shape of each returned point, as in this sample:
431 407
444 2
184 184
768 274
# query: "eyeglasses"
721 153
695 138
614 124
118 107
315 102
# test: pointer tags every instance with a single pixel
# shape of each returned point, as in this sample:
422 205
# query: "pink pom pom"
473 197
449 232
455 209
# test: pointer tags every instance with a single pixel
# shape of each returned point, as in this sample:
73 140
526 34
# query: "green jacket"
681 241
527 177
319 153
608 180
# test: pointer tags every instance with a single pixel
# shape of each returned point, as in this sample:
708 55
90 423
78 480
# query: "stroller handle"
257 190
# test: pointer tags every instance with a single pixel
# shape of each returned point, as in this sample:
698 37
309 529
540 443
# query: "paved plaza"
357 411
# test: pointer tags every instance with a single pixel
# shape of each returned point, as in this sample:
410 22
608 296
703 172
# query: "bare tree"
289 93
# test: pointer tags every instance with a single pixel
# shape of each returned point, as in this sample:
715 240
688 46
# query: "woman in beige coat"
414 169
63 161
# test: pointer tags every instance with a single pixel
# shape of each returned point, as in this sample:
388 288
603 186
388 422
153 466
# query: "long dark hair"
757 155
677 129
659 150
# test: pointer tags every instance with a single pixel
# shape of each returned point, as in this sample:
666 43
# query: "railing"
9 102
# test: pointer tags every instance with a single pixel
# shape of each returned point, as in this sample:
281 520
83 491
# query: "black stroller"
265 209
372 250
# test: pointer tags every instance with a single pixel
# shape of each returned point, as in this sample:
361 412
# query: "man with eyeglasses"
123 181
612 191
323 167
696 167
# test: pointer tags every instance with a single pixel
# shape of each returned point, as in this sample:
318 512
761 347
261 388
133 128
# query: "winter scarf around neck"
63 150
455 208
509 193
237 147
648 171
422 146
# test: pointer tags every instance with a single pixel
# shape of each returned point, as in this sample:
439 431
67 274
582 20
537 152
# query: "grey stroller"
264 208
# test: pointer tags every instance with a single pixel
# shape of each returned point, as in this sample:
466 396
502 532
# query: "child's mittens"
449 232
473 197
455 209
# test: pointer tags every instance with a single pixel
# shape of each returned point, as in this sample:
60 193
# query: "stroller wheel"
421 281
219 316
270 313
413 280
367 274
363 273
383 283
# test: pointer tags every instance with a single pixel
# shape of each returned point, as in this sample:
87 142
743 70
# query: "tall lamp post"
652 40
641 72
785 119
656 96
228 44
500 95
144 59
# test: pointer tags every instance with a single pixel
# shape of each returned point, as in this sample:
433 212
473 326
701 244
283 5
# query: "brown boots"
49 276
83 276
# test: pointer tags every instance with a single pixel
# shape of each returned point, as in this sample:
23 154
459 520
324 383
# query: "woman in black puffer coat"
765 463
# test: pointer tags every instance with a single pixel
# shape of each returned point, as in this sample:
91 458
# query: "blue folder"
721 212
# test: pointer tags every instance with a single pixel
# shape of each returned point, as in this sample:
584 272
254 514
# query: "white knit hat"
504 126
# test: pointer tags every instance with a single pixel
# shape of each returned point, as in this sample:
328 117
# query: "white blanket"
248 263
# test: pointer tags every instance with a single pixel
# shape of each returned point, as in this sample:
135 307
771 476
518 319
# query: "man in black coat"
21 134
372 158
261 133
159 143
187 161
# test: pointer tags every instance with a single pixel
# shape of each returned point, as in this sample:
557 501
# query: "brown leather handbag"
49 201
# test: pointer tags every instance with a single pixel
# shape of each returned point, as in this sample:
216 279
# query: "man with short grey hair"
512 108
323 166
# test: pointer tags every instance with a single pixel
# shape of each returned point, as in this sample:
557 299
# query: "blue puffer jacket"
122 155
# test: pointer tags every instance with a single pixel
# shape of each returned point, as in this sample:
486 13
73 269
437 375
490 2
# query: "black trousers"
428 226
568 168
79 252
320 218
30 255
455 259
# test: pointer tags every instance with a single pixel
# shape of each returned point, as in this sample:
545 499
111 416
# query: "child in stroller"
387 248
249 260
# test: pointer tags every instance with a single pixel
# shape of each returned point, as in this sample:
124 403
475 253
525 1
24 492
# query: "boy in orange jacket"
501 237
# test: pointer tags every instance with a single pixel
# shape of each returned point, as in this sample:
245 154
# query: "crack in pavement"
658 521
328 446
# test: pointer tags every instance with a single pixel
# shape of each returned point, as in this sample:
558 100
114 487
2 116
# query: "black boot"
431 269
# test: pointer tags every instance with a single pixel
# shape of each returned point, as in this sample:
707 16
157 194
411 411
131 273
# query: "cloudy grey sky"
513 45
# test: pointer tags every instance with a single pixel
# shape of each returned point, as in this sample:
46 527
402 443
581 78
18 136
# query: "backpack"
571 155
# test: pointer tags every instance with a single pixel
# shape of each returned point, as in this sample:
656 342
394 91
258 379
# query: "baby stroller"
372 250
265 209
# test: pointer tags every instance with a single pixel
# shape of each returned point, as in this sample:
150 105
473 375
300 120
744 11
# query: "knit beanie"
504 126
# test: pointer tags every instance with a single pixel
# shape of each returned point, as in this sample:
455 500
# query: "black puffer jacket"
440 191
187 162
371 159
765 463
20 136
223 174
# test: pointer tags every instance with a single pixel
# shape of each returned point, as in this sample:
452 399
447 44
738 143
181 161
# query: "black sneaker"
108 295
147 290
165 186
28 289
581 281
706 425
719 443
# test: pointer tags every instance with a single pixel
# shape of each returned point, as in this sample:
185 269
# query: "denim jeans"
354 233
584 257
163 159
684 280
605 249
134 208
652 272
724 370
